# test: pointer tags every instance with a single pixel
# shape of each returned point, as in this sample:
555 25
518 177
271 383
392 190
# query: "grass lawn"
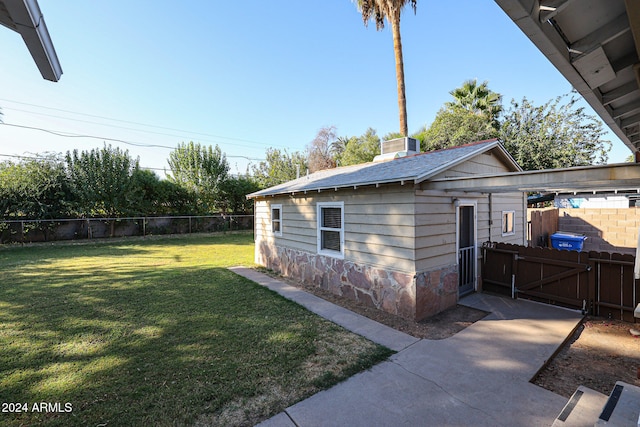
157 332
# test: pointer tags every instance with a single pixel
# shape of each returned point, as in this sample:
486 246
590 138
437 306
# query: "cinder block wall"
611 230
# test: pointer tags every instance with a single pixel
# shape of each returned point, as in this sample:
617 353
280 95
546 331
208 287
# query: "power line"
47 158
124 127
25 157
36 157
124 121
104 138
75 135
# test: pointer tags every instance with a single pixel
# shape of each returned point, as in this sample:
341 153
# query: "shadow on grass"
154 344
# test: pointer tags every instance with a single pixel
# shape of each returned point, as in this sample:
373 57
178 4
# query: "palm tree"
379 10
477 99
339 146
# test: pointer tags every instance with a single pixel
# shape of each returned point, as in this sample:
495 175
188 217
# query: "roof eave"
483 147
554 48
30 24
376 183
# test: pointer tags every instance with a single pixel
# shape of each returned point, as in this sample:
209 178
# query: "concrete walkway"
478 377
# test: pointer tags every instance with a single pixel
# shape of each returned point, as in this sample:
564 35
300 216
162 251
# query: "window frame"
279 220
329 252
508 227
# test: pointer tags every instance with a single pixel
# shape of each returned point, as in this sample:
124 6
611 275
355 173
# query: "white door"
466 243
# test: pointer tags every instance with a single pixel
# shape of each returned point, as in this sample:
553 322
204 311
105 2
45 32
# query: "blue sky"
254 74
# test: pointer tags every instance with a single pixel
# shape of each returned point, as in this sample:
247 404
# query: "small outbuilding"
375 233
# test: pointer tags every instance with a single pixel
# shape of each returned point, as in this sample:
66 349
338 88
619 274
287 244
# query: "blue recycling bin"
567 241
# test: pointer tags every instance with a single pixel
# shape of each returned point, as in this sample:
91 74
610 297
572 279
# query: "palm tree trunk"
397 48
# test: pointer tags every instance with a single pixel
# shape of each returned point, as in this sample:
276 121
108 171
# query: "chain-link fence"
27 231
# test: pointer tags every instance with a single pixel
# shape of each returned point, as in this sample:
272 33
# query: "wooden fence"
599 283
542 224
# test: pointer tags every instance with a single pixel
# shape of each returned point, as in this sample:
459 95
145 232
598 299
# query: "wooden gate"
542 224
596 282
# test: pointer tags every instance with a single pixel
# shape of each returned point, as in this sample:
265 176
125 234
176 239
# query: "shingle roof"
415 168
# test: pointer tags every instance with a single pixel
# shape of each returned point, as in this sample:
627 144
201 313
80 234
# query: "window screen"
330 228
276 220
332 217
508 222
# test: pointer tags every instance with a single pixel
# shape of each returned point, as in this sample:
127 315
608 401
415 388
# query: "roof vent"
399 147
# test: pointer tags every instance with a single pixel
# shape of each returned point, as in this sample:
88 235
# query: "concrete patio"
478 377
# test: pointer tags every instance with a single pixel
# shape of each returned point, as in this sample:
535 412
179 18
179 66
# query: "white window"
508 223
276 220
331 229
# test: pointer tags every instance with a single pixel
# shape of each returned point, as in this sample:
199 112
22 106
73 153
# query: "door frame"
459 203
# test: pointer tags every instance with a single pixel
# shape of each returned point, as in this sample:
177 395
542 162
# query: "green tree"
8 195
455 126
175 200
153 196
35 188
279 167
392 135
145 192
471 116
478 99
361 149
557 134
379 10
339 146
201 170
102 181
234 191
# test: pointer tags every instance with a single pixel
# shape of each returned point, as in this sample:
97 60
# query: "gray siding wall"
379 224
436 214
397 227
436 228
482 164
509 202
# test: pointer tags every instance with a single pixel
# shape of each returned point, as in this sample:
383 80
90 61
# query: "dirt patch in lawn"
600 353
440 326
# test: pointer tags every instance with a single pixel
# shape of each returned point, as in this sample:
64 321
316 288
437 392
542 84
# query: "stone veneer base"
412 296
